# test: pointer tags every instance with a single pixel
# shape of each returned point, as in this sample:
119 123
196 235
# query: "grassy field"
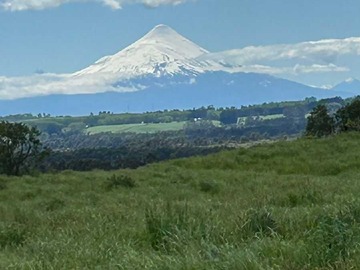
242 120
140 128
287 205
137 128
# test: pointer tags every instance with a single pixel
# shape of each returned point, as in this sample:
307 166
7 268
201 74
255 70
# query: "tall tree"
320 123
20 148
348 117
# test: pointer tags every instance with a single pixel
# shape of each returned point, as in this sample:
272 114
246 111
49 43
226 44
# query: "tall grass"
288 205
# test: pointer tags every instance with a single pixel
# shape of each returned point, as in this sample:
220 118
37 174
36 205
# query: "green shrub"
120 181
54 204
2 184
12 235
257 223
210 186
307 197
166 226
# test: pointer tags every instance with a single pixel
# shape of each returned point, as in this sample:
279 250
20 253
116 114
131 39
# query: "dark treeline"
118 158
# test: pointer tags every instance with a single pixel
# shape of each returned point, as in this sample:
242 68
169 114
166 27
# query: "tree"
20 148
229 116
320 123
348 117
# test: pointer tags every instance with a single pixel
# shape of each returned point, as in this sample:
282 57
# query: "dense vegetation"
286 205
81 143
321 122
20 148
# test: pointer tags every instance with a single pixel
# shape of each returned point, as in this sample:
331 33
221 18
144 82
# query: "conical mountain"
160 52
350 85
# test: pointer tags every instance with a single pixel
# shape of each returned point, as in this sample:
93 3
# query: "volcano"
162 70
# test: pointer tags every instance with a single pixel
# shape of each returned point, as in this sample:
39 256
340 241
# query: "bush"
2 184
12 235
166 227
210 186
257 223
120 181
54 204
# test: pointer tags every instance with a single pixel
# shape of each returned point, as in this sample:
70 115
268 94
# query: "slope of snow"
350 80
160 52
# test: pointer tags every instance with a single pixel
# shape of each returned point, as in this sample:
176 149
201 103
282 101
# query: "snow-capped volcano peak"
164 37
162 51
160 30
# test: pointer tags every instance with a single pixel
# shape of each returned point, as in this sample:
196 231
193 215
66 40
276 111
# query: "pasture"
287 205
140 128
137 128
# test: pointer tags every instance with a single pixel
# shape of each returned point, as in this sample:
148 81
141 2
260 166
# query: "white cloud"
316 68
292 70
49 84
323 51
156 3
20 5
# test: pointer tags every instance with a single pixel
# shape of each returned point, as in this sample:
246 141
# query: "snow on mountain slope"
161 60
160 52
161 57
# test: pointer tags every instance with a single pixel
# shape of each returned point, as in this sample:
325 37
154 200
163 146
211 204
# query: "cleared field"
242 120
137 128
271 116
140 128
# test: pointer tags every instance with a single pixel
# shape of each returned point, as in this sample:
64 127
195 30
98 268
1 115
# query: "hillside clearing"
137 128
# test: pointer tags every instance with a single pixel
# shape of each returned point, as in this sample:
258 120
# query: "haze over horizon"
312 43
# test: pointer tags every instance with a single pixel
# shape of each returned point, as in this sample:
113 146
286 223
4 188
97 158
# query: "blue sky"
63 36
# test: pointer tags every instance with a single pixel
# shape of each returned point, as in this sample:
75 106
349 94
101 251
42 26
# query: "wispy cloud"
297 61
20 5
49 84
322 52
290 70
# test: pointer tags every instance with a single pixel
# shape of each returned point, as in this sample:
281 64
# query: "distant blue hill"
349 86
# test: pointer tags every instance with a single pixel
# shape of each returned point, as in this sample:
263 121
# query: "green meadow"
141 128
137 128
285 205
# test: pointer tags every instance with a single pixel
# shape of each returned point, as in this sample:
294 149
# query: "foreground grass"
288 205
